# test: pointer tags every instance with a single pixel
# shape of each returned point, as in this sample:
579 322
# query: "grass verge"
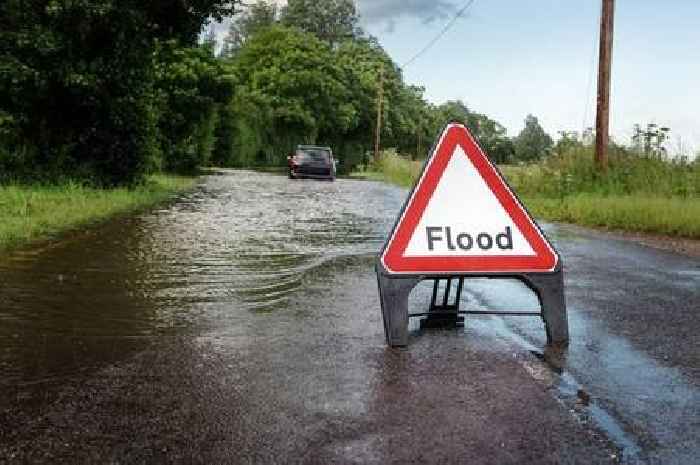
672 216
638 195
34 212
392 168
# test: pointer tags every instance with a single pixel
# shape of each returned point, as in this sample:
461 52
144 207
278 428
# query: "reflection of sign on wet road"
463 220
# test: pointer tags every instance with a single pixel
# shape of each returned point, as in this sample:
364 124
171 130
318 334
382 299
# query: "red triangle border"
545 258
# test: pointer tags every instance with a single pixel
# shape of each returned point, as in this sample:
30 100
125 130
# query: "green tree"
502 151
490 134
305 83
257 17
332 21
533 142
223 153
492 137
193 85
78 79
453 110
291 91
406 118
361 62
409 121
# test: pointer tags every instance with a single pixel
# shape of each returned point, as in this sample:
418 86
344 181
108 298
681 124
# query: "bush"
79 79
574 171
398 169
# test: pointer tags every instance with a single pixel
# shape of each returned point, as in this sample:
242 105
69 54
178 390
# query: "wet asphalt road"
241 324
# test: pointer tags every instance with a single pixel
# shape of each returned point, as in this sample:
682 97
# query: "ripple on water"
240 244
243 240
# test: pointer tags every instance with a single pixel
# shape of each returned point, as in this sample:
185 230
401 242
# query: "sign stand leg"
550 291
442 313
393 293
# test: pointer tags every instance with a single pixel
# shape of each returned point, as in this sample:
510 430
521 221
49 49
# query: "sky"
508 58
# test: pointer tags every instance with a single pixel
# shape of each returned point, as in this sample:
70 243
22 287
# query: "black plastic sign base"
394 292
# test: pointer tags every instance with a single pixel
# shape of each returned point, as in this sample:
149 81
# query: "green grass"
638 194
35 212
392 168
636 213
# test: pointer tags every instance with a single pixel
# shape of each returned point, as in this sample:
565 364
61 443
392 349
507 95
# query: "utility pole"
380 103
418 147
602 124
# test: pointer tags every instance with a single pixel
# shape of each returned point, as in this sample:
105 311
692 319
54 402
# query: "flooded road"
241 324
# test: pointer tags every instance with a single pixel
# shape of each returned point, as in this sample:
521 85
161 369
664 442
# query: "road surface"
241 324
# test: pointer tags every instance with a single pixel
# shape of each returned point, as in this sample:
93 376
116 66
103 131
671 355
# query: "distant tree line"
307 73
107 91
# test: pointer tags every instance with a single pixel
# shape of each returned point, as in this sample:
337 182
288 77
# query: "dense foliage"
308 74
332 21
82 89
191 86
533 142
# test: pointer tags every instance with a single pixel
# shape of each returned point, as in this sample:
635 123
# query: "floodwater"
241 324
239 245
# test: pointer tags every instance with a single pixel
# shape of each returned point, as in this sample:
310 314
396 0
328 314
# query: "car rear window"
315 155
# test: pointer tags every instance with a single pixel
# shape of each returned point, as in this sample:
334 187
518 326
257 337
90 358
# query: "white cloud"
388 11
378 11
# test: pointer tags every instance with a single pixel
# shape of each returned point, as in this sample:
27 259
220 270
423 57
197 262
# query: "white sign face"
464 218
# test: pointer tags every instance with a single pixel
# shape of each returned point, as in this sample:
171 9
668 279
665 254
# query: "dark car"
310 161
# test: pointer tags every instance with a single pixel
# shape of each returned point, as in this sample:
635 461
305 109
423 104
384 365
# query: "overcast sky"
508 58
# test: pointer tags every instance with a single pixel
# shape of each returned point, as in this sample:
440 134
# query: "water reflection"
242 242
644 407
254 236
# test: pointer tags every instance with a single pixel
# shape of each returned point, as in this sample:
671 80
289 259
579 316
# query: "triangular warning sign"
462 218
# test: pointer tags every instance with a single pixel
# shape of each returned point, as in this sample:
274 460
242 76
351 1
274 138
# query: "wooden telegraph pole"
418 147
602 125
380 103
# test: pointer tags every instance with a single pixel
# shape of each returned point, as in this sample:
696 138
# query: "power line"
444 30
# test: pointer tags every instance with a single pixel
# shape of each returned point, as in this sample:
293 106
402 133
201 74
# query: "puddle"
647 409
